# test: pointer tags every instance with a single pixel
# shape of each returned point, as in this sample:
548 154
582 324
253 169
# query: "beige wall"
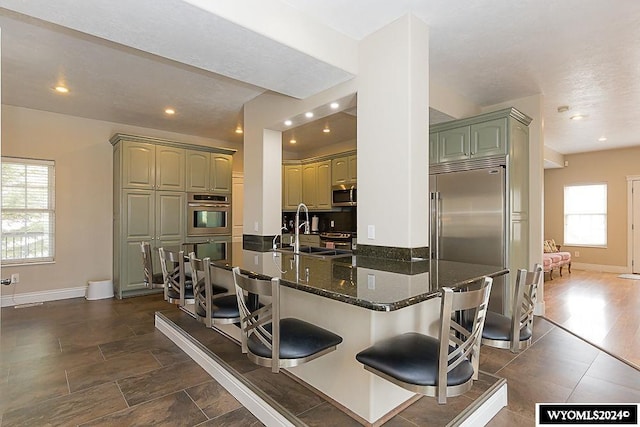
610 167
83 158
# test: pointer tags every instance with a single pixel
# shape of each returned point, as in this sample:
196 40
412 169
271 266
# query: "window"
585 215
28 212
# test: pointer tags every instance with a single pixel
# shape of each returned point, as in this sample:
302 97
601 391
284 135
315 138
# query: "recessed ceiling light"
563 108
334 105
326 130
288 122
293 141
308 114
239 130
61 89
577 117
170 111
602 139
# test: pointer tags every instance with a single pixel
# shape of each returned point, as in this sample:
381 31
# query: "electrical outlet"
577 254
15 278
371 281
371 232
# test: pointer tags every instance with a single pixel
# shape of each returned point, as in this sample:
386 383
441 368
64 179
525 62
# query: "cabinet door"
323 195
198 171
310 184
221 173
453 144
489 138
170 215
353 168
138 165
170 168
340 170
170 221
433 148
292 183
138 213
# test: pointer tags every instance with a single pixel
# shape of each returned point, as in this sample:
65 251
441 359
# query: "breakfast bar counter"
363 300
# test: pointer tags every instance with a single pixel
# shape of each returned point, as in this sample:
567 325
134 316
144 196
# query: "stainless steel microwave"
344 195
208 214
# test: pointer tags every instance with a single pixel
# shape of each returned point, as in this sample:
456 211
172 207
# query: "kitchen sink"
317 251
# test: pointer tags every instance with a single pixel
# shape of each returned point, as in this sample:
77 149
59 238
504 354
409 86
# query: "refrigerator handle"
434 209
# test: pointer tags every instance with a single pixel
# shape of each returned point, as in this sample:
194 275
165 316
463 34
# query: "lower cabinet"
157 217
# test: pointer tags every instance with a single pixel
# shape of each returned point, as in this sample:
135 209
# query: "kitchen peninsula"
361 299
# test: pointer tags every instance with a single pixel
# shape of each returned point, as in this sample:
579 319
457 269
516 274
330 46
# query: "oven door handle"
207 205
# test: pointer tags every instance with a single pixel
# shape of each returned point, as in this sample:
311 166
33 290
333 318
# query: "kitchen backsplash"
345 220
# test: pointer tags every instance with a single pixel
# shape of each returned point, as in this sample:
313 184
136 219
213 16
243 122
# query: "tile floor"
78 362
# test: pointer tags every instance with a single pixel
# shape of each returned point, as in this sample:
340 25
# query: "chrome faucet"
275 245
296 246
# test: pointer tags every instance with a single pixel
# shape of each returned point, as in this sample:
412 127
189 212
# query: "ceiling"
127 65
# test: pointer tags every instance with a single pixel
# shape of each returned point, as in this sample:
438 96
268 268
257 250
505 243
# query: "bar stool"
515 332
177 289
271 341
151 280
212 306
439 367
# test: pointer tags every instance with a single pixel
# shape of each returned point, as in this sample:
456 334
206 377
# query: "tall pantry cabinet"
150 202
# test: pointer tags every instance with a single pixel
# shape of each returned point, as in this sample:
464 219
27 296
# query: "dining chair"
213 303
177 289
272 341
151 280
514 332
441 367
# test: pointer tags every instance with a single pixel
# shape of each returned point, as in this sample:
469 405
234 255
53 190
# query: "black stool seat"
221 308
157 278
498 327
412 358
298 339
173 293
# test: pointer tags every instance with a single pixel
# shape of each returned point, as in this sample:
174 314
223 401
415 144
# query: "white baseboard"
618 269
9 299
254 403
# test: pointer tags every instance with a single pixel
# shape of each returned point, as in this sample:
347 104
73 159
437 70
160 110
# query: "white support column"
393 131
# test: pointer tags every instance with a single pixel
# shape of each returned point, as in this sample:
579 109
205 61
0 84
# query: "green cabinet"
208 172
433 148
472 141
150 167
151 178
291 186
344 170
316 185
157 217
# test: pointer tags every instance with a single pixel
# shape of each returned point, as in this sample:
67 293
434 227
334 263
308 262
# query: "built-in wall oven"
216 248
208 214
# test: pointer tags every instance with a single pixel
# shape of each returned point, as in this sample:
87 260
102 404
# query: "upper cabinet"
291 186
208 172
309 181
476 137
151 167
344 170
316 185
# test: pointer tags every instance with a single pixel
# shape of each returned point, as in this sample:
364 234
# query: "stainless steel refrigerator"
468 222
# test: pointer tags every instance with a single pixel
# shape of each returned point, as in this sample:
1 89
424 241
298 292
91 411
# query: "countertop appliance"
344 195
337 240
468 221
208 214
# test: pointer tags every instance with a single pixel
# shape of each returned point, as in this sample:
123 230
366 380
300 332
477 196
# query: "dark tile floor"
78 362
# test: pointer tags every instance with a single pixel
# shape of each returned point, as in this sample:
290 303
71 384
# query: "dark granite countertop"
373 283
